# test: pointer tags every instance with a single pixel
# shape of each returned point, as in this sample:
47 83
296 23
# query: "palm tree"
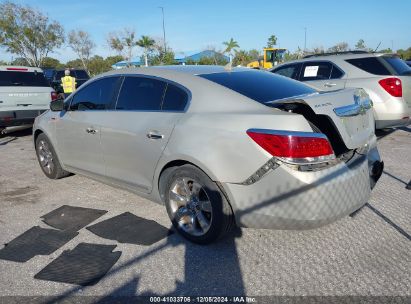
230 45
147 44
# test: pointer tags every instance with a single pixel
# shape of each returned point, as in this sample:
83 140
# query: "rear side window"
370 65
290 70
24 79
336 73
139 93
258 85
175 99
98 95
399 65
316 71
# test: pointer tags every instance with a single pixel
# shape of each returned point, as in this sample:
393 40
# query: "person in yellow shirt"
68 82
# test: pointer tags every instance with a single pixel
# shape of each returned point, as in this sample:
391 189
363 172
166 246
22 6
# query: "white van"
25 93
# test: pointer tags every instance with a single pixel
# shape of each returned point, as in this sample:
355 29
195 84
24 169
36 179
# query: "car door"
291 70
134 138
79 128
322 75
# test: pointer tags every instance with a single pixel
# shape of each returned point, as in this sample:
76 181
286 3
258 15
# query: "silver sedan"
218 147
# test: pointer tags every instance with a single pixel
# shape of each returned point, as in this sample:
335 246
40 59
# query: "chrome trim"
290 133
360 106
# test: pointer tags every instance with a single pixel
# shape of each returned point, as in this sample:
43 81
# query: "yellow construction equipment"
271 57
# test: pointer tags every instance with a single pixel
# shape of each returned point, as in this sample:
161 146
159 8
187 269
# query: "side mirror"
57 105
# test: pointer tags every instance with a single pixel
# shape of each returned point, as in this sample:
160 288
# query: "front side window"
140 93
98 95
316 71
290 71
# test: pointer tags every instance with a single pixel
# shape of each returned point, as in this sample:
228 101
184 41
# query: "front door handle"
91 131
329 84
154 135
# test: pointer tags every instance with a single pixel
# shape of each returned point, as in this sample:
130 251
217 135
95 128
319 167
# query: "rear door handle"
329 84
91 131
154 135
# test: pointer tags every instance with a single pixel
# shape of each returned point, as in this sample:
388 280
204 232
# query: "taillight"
54 96
17 69
295 147
392 85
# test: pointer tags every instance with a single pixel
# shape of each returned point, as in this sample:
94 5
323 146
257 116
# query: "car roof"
338 57
17 68
183 69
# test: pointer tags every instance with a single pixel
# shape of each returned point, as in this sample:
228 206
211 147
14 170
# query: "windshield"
80 74
260 86
28 79
398 65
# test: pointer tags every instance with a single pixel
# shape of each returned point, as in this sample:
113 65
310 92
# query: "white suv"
385 77
24 94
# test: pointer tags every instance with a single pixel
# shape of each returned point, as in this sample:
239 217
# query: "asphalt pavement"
365 255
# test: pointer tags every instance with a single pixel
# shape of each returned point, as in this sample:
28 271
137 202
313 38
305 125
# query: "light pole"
305 39
164 30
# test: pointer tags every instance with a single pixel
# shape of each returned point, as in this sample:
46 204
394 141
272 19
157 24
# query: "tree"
241 57
28 33
272 41
360 45
19 61
147 44
339 47
158 56
230 46
113 59
74 64
51 63
123 42
405 54
98 65
80 42
254 54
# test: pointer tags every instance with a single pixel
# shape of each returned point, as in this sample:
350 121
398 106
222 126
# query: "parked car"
24 94
385 77
80 75
49 74
216 146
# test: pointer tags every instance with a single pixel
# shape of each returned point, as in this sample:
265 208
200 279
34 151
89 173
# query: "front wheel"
196 206
47 158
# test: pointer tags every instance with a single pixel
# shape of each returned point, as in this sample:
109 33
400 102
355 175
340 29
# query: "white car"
385 77
24 94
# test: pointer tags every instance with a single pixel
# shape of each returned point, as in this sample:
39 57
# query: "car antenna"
377 47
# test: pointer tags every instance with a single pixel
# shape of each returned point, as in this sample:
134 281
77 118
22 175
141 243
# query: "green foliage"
28 32
254 54
385 51
51 63
162 58
272 41
2 62
20 61
123 42
360 45
114 59
405 54
242 57
74 64
147 44
230 45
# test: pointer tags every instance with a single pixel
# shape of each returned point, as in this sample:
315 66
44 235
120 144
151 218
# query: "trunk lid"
25 97
347 110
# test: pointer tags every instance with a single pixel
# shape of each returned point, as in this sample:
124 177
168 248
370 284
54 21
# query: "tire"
47 158
202 216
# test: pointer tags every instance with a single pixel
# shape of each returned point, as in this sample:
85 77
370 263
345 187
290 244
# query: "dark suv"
80 75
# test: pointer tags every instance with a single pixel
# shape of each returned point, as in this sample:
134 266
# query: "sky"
193 25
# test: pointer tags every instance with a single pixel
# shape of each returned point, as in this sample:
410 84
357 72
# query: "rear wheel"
196 206
47 158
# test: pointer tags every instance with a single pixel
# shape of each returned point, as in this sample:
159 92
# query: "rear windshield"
398 65
260 86
80 74
370 65
27 79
